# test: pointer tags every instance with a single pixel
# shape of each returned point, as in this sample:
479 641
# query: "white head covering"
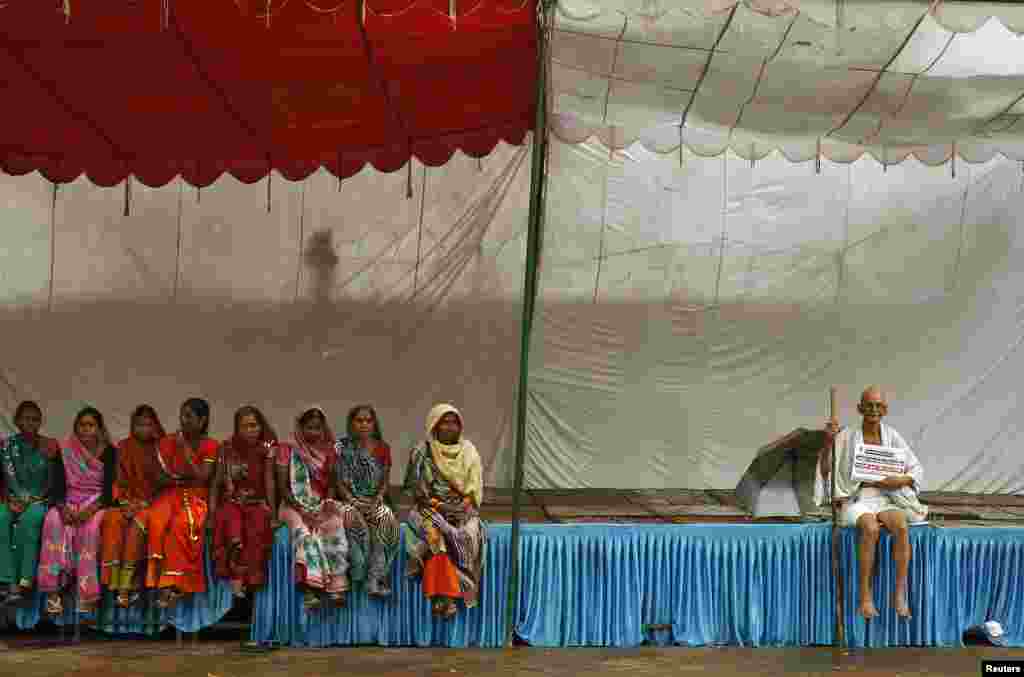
459 462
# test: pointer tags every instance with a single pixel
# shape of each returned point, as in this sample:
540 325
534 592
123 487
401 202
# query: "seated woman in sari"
241 498
82 486
305 467
25 460
123 534
177 519
364 467
445 536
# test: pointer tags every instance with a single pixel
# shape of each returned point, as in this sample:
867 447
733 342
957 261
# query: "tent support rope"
53 243
533 246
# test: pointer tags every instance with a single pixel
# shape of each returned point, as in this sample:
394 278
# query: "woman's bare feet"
867 608
899 602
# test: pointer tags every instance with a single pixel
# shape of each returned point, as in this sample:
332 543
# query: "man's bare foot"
899 602
867 609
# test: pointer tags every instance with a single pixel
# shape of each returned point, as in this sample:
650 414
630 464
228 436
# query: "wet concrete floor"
227 659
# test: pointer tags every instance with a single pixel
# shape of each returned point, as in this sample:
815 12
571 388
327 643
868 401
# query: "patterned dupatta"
309 464
83 472
242 463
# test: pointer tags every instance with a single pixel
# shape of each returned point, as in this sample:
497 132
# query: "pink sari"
70 552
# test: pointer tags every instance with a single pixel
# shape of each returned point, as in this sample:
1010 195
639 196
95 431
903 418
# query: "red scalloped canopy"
161 88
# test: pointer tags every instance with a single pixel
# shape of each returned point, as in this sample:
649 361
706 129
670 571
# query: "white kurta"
870 500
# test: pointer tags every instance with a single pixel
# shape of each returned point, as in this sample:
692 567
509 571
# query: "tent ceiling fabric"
889 78
161 88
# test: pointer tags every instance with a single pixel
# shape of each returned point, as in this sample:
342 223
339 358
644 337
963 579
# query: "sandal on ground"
310 600
437 607
127 598
54 605
168 598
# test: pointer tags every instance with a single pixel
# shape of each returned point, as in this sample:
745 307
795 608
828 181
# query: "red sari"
123 536
177 519
242 537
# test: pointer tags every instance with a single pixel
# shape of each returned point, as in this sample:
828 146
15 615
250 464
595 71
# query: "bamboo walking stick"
837 573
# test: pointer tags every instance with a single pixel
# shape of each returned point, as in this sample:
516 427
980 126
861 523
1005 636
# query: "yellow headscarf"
459 462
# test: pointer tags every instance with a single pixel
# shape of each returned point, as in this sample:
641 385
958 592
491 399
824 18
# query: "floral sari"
70 552
316 527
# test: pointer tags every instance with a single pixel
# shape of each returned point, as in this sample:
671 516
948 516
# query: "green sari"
26 477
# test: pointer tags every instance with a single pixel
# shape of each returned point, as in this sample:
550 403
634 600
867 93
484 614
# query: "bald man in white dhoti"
891 503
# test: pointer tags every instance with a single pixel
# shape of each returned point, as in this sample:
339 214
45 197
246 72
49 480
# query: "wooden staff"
837 573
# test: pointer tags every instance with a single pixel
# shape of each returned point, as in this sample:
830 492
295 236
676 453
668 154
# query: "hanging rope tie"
840 21
302 240
177 251
408 180
199 195
270 175
165 14
952 161
53 243
452 13
480 164
817 158
128 195
419 235
753 155
885 160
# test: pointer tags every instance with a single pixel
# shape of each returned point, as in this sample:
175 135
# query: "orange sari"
123 534
177 519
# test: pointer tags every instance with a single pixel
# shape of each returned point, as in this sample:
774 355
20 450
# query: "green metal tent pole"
533 245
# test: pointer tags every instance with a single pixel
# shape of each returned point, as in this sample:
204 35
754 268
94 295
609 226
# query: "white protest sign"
873 463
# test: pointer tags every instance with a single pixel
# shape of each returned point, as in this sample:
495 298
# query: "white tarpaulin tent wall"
700 292
690 309
334 296
687 314
691 313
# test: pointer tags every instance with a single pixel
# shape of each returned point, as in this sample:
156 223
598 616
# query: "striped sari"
371 526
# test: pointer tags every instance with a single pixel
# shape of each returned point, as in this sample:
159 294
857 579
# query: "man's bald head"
873 404
873 394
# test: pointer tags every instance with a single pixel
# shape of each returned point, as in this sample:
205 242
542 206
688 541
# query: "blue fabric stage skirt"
959 577
604 585
197 612
729 584
404 619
